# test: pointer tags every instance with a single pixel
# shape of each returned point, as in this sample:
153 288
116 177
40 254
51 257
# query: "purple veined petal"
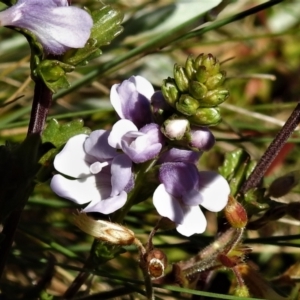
120 173
118 131
72 160
97 146
109 205
202 138
167 206
58 28
214 190
130 103
79 191
179 155
143 86
194 221
179 178
67 27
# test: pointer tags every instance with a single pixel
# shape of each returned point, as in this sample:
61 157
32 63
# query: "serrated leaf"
59 134
106 25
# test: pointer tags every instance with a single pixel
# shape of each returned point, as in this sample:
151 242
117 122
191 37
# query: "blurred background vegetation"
261 55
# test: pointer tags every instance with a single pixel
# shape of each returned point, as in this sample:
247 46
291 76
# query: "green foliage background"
261 54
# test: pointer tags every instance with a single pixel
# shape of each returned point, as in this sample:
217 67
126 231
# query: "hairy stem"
40 107
272 151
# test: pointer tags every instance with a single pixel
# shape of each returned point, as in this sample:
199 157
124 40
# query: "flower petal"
79 191
179 178
214 190
120 173
194 221
131 101
142 150
72 160
202 138
97 146
108 205
143 86
56 26
180 155
118 130
167 205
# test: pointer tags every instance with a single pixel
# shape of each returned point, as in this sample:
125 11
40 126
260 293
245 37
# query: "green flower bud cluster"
197 89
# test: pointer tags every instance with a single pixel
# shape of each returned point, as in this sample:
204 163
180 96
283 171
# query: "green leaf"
82 56
53 73
232 161
107 25
57 134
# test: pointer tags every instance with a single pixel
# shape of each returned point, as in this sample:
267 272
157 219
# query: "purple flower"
140 145
179 155
201 139
56 25
102 176
183 188
131 100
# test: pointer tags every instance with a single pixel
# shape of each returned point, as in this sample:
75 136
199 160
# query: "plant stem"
40 106
272 151
82 276
41 103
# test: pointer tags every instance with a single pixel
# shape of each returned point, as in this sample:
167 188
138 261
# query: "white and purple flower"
57 26
101 175
140 145
183 188
131 100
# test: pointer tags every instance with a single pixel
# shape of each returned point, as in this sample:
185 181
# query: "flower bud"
181 78
235 213
105 231
214 98
216 80
201 139
198 61
189 67
197 89
211 64
170 91
156 262
175 129
201 74
187 105
206 117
